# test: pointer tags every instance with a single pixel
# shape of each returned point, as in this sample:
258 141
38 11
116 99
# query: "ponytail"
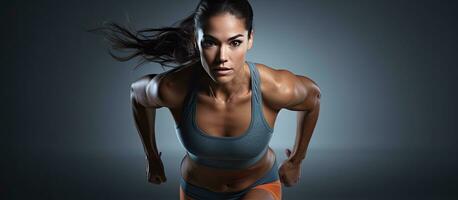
166 45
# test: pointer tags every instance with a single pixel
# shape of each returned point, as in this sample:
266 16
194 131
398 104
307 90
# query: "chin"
222 79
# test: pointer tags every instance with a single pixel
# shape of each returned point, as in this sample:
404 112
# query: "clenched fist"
289 173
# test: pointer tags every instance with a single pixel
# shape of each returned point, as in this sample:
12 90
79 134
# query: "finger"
153 180
162 179
288 152
283 179
286 181
287 184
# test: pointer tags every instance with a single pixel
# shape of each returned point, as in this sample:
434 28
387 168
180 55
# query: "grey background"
387 70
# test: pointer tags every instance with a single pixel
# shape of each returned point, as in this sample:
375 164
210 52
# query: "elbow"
317 92
314 91
315 96
312 102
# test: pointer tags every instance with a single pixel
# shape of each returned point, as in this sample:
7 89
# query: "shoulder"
165 89
283 89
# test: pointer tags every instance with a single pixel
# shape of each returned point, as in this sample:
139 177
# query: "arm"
301 94
305 99
145 101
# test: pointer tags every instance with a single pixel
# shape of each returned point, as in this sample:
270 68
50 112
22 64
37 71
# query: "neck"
225 92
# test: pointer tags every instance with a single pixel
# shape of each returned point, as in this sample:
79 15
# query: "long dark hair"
173 44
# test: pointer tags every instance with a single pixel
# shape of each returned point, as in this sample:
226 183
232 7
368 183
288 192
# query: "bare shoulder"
161 90
281 88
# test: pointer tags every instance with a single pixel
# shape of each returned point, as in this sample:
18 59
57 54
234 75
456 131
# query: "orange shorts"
273 188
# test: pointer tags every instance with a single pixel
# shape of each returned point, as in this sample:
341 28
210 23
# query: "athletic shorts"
270 182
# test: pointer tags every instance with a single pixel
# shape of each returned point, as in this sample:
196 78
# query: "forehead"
224 25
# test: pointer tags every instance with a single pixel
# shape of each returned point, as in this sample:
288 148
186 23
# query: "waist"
228 163
226 179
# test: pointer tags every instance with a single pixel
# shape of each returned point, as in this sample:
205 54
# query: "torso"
209 118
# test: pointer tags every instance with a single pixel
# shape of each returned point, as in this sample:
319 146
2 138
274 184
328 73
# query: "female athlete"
224 106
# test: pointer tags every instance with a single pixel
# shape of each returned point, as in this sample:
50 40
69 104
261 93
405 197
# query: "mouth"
222 70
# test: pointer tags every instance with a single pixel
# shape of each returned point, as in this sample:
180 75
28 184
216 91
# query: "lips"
222 71
222 68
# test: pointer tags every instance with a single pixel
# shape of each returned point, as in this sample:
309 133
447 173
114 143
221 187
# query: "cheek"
208 55
239 53
209 51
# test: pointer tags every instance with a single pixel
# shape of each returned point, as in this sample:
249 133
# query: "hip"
269 182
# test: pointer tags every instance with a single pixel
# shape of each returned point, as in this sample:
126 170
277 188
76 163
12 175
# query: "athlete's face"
223 43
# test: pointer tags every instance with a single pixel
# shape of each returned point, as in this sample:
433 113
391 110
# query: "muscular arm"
145 101
307 115
303 97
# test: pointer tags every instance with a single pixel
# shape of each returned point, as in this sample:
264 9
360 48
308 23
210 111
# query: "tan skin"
220 99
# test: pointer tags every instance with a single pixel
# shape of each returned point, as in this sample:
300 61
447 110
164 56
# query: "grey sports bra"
226 152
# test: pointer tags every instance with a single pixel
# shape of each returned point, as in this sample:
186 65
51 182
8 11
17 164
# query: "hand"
289 172
155 171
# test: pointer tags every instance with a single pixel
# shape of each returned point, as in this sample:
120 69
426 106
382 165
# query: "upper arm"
297 92
146 91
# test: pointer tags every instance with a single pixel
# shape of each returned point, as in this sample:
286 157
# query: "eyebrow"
231 38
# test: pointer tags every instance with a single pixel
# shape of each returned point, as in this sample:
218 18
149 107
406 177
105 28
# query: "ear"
250 41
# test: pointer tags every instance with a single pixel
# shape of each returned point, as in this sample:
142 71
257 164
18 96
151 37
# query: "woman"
224 106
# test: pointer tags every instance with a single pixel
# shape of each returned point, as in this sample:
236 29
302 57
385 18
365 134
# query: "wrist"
154 158
295 161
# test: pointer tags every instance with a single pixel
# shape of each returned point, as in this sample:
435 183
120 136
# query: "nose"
222 54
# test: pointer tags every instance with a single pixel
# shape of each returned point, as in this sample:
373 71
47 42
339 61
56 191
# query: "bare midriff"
226 180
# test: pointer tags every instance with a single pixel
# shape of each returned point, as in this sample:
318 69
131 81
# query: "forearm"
306 121
145 121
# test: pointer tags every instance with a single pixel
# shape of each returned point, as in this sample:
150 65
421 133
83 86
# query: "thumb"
288 152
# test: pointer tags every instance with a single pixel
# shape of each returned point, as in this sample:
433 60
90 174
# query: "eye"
236 43
207 43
